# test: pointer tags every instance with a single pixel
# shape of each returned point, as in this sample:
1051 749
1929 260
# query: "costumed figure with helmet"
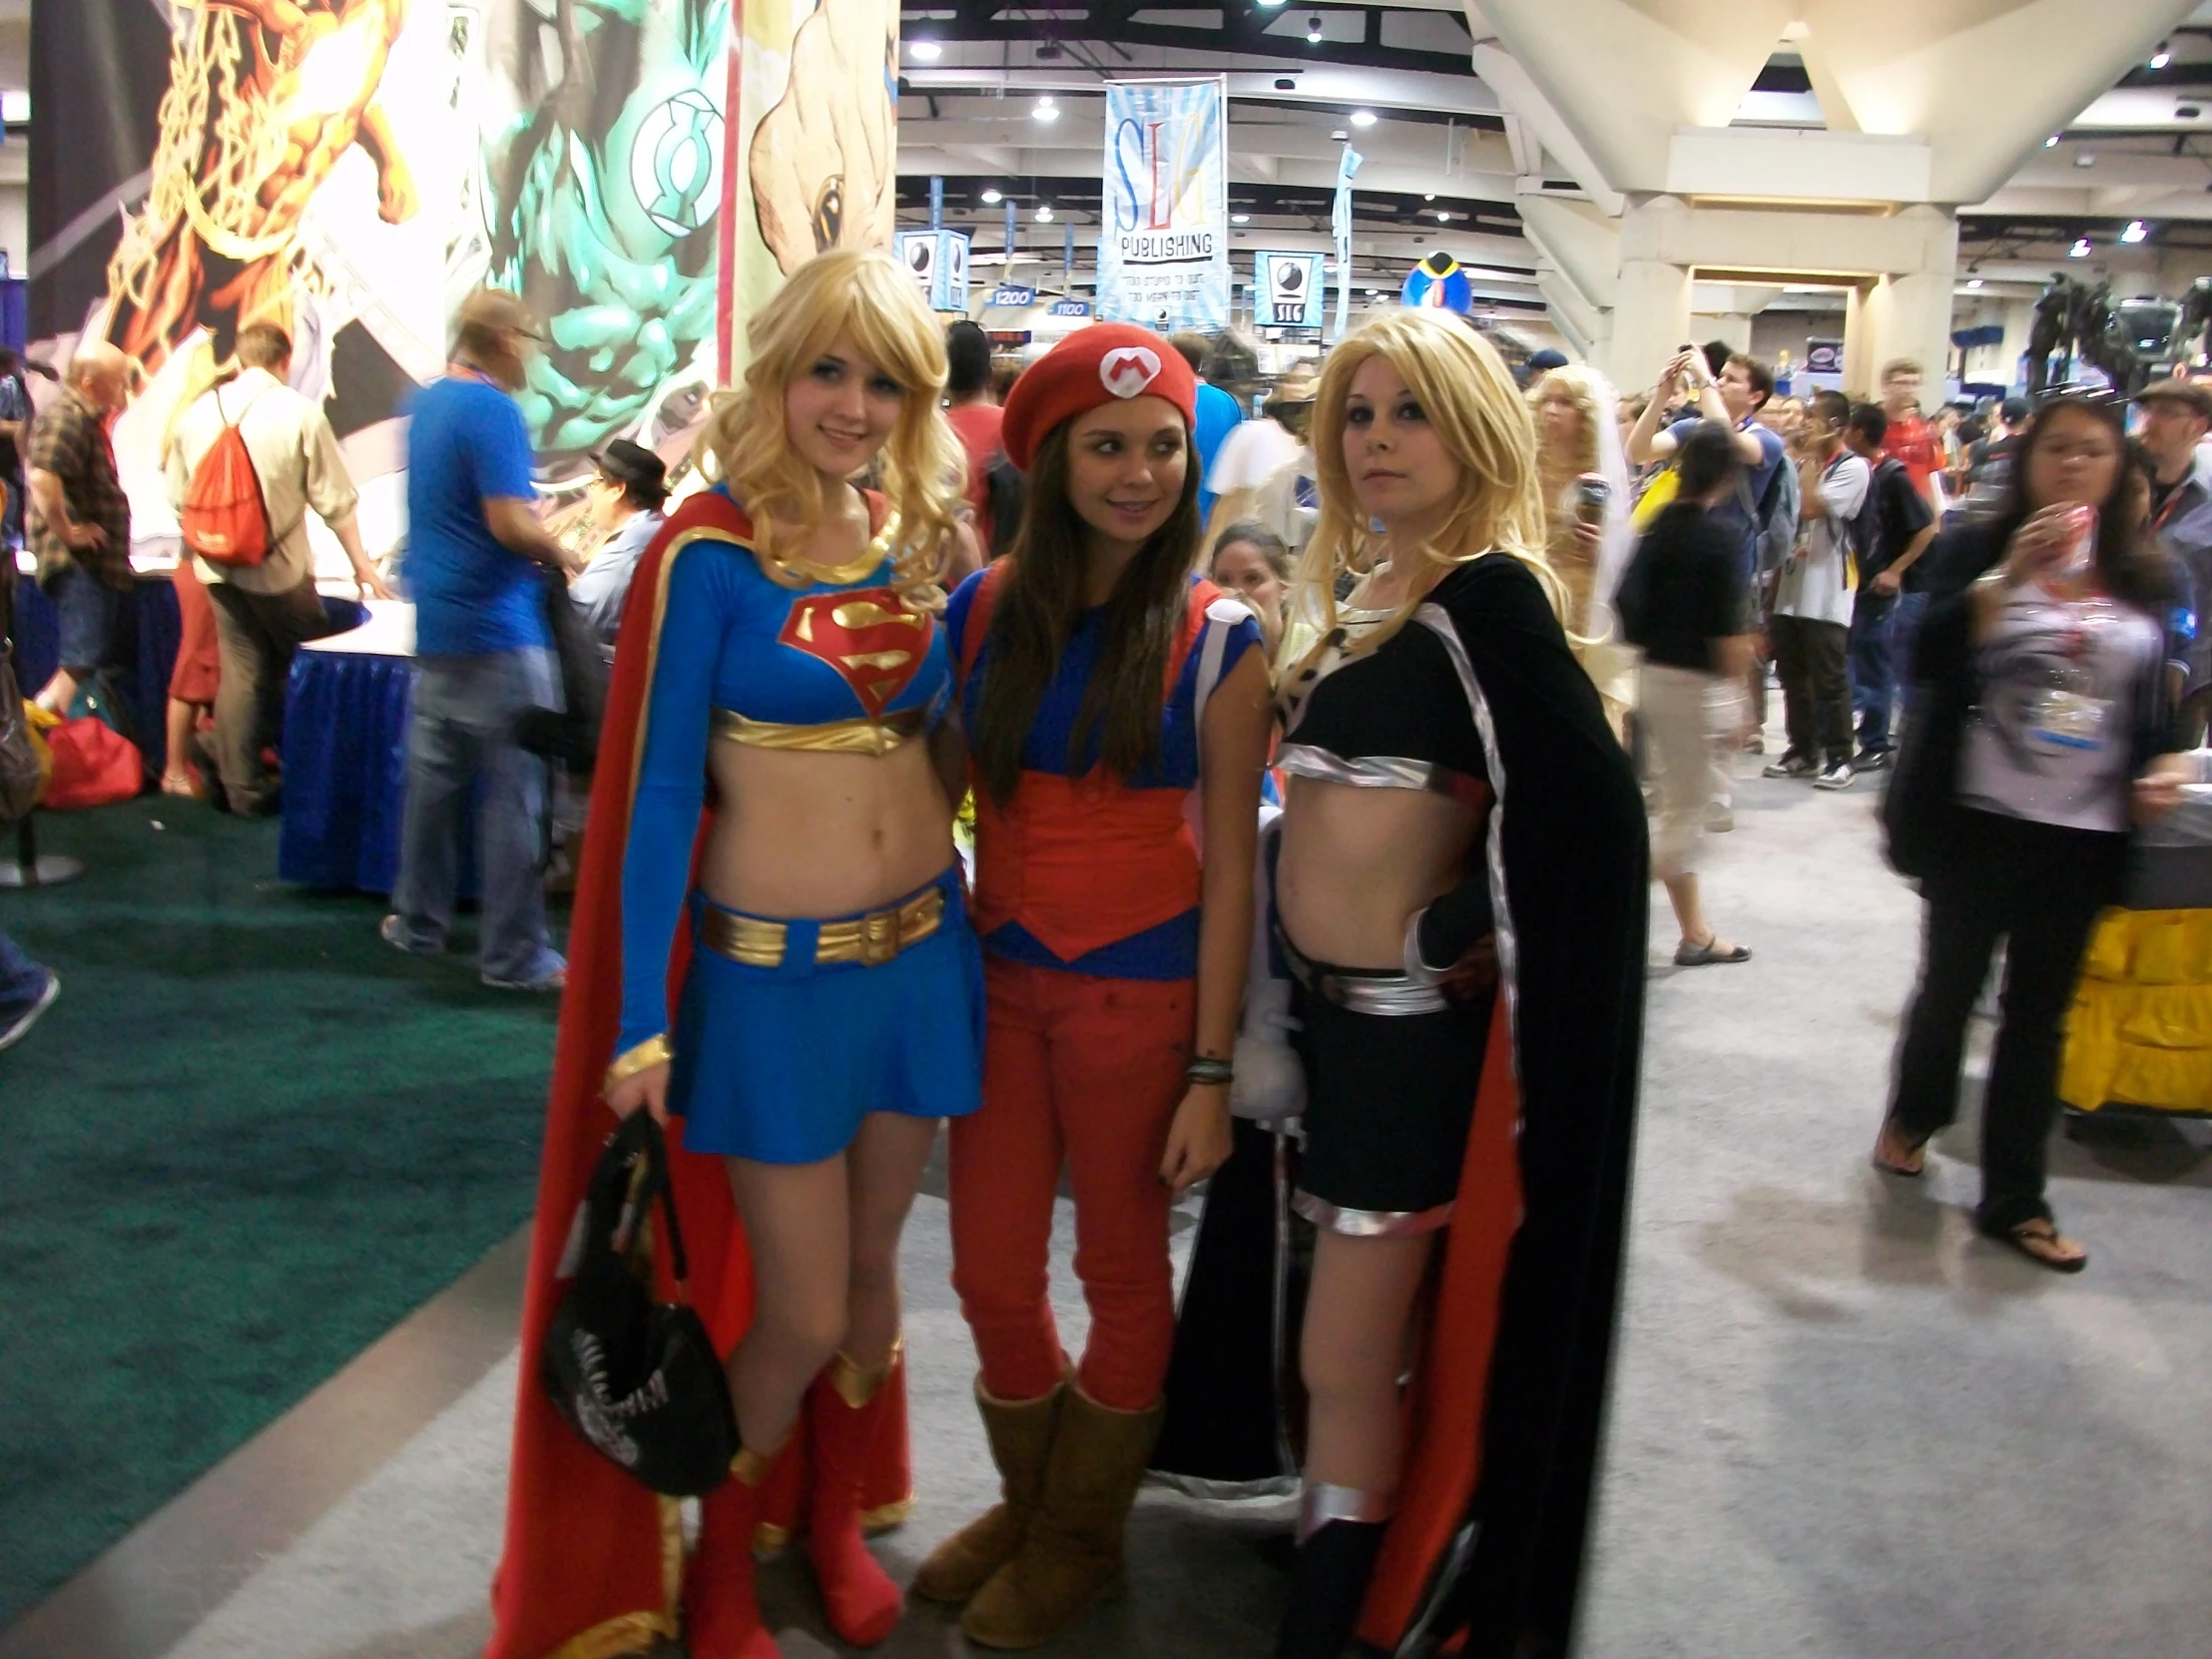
771 953
1460 902
1116 714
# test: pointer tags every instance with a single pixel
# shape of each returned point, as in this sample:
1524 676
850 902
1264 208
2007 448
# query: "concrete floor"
1842 1425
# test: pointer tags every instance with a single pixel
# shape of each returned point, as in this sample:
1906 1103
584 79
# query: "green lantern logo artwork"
676 162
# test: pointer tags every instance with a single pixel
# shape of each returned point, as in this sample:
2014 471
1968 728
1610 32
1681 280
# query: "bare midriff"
810 836
1358 863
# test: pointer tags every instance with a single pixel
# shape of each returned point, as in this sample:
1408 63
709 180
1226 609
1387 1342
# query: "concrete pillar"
1860 308
1651 321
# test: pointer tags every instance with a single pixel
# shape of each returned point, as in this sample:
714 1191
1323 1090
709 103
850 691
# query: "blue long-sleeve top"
730 642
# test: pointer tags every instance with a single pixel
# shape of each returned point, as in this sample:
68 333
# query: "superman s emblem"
868 636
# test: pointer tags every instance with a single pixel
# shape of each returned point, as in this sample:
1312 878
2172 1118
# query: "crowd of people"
1342 698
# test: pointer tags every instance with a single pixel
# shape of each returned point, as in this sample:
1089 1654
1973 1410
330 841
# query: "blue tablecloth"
346 770
160 630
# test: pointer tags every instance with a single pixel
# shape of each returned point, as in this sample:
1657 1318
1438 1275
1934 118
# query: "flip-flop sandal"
1911 1171
2026 1237
1705 956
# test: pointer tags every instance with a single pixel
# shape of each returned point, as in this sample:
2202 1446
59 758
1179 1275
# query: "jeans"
462 737
22 983
1905 631
1873 669
256 634
92 617
1816 687
2038 887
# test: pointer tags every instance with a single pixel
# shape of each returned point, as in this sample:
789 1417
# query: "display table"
159 630
345 754
2140 1037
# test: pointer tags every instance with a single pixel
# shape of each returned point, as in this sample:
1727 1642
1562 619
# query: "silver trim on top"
1380 993
1378 771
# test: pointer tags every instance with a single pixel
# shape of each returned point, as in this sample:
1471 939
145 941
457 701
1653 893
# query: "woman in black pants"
2045 730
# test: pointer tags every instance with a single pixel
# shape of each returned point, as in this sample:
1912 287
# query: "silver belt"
1363 991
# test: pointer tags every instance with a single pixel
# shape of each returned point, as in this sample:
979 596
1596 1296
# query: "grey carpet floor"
1842 1425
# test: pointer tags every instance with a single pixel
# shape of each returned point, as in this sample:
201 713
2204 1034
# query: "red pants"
1089 1071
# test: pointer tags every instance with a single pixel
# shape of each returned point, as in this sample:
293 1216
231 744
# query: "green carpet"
248 1138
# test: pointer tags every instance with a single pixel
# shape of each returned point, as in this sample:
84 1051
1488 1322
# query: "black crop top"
1398 717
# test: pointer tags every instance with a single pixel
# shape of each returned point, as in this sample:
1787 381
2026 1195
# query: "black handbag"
639 1379
21 781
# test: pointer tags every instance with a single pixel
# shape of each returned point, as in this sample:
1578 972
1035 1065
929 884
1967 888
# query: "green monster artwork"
598 199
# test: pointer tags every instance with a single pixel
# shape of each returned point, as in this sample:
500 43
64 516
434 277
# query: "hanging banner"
1340 222
936 201
1013 233
938 263
816 128
1163 253
1290 291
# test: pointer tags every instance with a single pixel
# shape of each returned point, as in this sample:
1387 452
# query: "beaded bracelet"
1203 1070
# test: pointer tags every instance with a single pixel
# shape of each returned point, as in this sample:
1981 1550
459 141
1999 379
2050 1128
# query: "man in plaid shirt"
81 520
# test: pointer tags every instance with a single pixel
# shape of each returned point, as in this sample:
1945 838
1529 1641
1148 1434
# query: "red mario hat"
1089 369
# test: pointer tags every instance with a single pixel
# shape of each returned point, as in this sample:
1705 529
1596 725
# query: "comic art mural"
349 168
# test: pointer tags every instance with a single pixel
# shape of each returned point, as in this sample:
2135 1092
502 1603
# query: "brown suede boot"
1072 1555
1020 1432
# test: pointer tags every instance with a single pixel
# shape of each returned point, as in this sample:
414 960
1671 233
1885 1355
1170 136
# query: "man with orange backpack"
250 459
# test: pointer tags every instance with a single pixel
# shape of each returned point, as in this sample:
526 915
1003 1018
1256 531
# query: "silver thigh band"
1361 990
1371 1224
1322 1503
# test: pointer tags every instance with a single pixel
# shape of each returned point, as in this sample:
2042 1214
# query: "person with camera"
1818 586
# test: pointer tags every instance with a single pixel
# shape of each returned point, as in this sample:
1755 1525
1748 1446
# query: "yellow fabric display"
2140 1032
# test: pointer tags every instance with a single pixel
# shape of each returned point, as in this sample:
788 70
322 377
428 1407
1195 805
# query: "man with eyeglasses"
2173 417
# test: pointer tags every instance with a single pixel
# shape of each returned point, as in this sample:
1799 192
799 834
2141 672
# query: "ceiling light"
1338 136
2051 142
1371 293
1313 31
1046 110
991 199
1045 214
1240 218
2079 250
1973 281
1270 5
1442 214
2137 231
1428 196
1362 118
2161 58
2085 160
928 51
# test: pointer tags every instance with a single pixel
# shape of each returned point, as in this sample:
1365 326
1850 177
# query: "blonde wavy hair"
922 470
1469 399
1579 387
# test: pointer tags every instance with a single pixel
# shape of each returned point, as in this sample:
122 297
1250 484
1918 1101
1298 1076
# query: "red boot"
844 1421
722 1617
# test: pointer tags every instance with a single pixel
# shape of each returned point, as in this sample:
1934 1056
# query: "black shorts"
1389 1099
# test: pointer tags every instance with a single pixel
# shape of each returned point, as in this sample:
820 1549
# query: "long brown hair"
1040 606
2134 565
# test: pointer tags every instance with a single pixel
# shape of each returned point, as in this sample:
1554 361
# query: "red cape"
593 1563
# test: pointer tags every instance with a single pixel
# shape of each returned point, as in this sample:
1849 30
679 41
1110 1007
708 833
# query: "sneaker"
1837 776
1873 759
1719 821
20 1027
552 979
390 932
1792 765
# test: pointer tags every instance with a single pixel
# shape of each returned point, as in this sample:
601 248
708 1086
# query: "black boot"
1334 1566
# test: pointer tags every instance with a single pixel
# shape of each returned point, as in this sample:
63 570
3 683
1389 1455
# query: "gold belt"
871 940
835 737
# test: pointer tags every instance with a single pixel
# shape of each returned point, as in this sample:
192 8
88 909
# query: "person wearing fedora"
1100 684
626 498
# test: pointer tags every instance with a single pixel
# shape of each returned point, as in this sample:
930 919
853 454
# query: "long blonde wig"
1590 397
1469 397
871 298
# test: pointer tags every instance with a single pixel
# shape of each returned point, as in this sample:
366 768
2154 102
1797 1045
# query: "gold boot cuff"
752 1467
858 1385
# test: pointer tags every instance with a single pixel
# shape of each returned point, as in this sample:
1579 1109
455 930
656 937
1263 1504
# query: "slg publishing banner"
1163 258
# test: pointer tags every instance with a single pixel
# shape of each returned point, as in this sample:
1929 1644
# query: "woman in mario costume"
781 670
1116 715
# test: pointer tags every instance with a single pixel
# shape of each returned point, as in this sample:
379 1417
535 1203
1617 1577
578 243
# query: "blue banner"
1290 291
1163 253
1013 230
937 203
1340 222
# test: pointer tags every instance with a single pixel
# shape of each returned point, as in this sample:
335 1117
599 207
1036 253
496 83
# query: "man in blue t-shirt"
475 567
1735 398
1219 413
